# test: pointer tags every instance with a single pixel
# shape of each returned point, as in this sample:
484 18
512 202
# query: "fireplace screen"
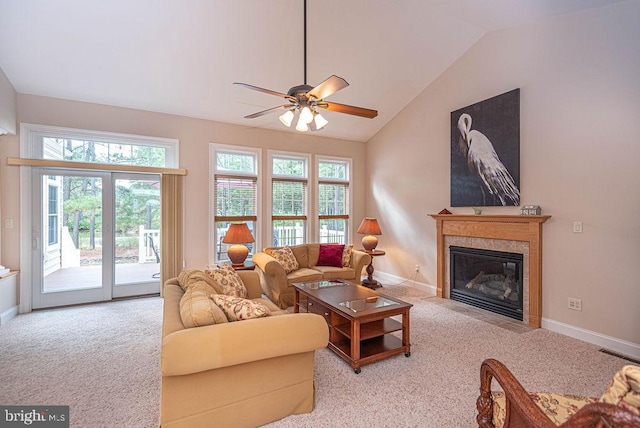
491 280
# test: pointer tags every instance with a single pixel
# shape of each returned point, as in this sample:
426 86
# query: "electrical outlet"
575 304
416 269
8 224
577 227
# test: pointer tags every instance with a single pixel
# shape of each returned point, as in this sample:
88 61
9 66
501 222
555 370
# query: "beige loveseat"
237 374
277 284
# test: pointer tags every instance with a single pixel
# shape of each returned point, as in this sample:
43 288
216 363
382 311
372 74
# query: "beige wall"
580 160
7 104
194 135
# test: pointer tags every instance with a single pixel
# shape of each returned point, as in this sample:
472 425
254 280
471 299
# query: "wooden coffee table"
359 320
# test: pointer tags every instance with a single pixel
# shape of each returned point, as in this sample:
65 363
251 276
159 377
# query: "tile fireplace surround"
510 233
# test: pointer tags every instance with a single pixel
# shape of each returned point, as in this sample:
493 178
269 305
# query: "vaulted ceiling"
182 56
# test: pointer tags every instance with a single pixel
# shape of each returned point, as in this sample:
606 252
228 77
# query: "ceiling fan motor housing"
300 89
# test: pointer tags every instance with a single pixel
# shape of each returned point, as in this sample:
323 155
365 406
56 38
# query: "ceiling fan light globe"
320 121
302 125
306 115
286 118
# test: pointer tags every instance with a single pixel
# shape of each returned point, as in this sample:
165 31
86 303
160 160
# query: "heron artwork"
483 161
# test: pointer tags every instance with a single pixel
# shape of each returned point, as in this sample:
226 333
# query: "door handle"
35 243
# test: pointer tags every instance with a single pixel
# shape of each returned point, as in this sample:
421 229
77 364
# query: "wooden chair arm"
602 415
521 411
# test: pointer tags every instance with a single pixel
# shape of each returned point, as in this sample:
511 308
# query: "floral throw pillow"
624 390
285 257
227 278
346 255
237 309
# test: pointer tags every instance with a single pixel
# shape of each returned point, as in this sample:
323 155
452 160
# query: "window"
79 145
333 200
52 216
235 194
289 199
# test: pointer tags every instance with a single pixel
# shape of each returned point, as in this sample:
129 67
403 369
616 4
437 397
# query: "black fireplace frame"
500 307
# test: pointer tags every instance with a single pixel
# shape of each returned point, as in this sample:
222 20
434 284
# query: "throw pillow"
197 309
285 257
346 255
227 278
330 255
237 309
188 277
624 390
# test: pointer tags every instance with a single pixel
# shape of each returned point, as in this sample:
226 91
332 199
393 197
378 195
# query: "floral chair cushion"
557 407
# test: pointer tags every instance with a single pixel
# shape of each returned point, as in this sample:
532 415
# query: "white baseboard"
390 280
620 346
8 314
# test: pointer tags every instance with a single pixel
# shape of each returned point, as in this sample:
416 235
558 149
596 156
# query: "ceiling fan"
306 100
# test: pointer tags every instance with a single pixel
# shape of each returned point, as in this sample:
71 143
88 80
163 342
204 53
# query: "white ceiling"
182 56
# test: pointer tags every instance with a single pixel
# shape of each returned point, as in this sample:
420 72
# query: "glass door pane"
69 248
136 234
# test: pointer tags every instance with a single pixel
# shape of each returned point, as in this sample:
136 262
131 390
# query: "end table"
369 281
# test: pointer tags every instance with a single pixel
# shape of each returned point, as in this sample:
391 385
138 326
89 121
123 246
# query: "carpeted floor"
103 361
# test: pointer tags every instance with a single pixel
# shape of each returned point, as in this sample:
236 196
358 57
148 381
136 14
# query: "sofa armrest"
273 278
359 259
200 349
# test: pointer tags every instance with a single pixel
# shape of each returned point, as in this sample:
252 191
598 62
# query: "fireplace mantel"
527 228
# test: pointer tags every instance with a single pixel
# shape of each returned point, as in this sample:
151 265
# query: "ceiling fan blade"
330 86
271 110
343 108
256 88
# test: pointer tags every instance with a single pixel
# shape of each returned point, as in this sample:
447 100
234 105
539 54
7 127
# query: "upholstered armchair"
515 407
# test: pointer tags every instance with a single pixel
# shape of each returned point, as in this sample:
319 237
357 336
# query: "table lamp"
237 234
369 227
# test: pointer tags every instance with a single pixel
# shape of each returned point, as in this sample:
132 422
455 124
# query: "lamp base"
237 254
369 242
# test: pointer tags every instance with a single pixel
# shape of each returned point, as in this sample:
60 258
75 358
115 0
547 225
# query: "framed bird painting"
485 152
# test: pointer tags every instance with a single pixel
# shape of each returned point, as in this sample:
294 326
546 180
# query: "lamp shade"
238 233
369 227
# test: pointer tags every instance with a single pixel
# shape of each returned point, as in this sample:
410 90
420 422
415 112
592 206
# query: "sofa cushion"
313 251
237 309
557 407
624 390
304 275
285 257
346 255
191 276
331 272
301 254
197 309
330 255
228 280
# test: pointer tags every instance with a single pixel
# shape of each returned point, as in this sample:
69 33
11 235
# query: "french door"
95 236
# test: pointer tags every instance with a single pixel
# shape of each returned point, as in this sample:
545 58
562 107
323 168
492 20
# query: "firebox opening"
491 280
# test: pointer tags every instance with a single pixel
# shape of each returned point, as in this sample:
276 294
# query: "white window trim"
311 225
31 147
349 161
213 149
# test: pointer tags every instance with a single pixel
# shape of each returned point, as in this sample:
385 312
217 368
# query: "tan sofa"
277 284
237 374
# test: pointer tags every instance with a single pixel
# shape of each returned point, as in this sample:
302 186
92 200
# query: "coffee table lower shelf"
371 350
